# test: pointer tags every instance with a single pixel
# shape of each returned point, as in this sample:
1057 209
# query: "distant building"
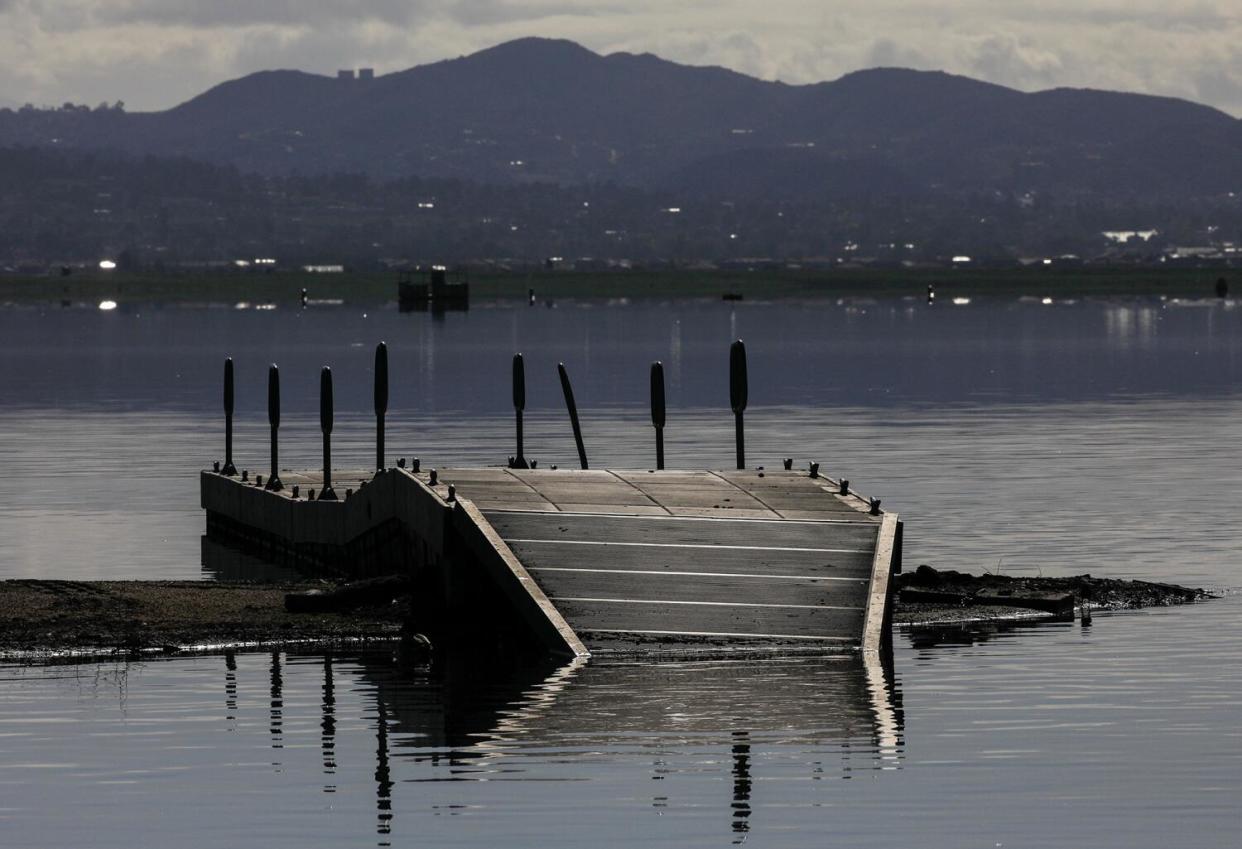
366 73
1123 236
346 74
1195 252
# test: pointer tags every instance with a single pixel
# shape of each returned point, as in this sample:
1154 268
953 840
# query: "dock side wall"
396 524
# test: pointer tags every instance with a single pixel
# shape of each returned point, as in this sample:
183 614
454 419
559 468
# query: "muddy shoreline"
933 596
46 619
137 617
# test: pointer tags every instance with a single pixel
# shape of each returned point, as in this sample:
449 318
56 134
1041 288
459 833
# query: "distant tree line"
66 206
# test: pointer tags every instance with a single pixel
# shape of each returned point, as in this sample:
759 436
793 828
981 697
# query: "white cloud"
155 53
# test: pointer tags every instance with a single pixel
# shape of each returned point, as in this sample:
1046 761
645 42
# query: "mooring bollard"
845 487
737 396
788 463
381 401
273 419
657 409
325 424
519 404
573 413
814 470
875 507
229 469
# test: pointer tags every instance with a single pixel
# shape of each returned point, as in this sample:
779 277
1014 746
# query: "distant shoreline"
285 287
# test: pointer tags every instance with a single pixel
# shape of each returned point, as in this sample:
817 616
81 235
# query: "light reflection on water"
1097 437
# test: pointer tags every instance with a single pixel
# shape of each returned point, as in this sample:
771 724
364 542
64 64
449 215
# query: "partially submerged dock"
596 560
582 560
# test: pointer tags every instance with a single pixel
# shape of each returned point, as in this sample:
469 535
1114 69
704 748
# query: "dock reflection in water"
314 750
716 720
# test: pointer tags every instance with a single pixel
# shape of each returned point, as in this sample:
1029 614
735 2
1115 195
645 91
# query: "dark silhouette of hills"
537 110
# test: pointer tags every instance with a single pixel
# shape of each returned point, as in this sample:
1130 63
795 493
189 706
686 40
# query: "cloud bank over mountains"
155 53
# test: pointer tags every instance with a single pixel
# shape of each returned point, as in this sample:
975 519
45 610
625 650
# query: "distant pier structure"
581 561
435 288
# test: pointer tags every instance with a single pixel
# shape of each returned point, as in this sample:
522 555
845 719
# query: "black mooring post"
519 404
573 413
325 424
381 401
737 396
657 409
229 468
273 418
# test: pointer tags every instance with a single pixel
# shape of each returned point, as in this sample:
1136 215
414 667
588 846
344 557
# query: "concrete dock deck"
601 560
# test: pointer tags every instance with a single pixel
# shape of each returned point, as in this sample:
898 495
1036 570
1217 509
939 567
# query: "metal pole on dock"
381 401
325 424
657 409
229 468
573 413
737 396
273 418
519 404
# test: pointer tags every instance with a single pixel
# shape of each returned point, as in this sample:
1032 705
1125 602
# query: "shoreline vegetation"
284 288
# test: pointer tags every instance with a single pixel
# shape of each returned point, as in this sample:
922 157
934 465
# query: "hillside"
538 110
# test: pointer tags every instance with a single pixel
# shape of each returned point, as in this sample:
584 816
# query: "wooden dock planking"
773 563
593 618
709 587
686 532
680 555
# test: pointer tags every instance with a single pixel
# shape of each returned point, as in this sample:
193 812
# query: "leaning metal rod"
657 409
519 404
573 413
381 401
229 468
737 396
273 418
325 424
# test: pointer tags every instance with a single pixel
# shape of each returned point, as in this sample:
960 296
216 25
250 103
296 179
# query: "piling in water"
229 468
737 397
657 409
519 404
325 424
381 401
573 413
273 419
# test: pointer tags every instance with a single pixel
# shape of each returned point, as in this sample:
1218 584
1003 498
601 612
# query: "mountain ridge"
550 110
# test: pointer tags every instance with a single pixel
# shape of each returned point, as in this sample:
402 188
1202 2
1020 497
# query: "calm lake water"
1097 436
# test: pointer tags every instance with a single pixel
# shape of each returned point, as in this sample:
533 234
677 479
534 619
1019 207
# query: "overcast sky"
153 54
